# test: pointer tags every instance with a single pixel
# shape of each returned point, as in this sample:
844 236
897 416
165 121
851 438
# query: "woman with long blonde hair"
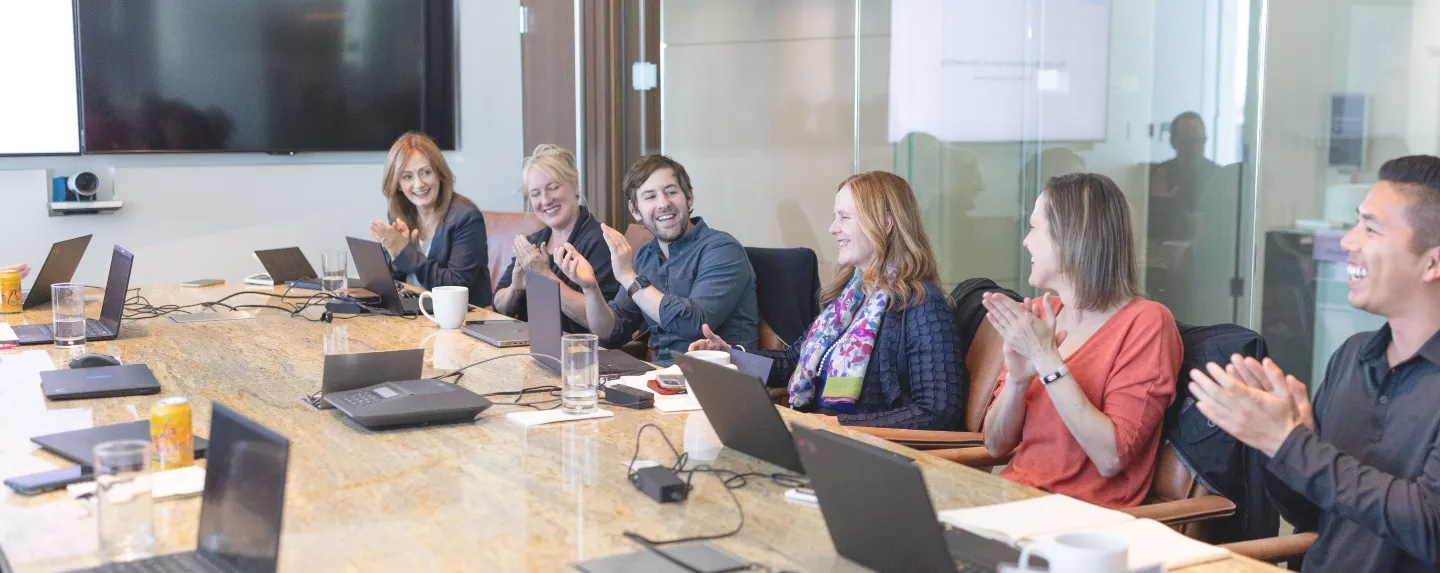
433 236
882 351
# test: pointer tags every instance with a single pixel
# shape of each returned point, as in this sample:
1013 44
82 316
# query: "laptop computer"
288 266
740 409
546 326
879 513
59 267
375 277
117 287
243 505
345 372
100 382
79 445
499 333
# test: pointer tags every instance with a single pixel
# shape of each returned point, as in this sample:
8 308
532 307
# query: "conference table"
485 496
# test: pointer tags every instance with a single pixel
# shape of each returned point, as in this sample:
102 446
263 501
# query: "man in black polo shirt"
1362 468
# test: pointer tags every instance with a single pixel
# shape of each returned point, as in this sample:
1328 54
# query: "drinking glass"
123 502
68 306
579 373
334 268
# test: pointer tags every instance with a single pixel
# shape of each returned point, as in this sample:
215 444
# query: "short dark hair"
1419 177
646 166
1090 224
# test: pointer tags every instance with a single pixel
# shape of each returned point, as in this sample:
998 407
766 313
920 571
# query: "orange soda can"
171 434
10 298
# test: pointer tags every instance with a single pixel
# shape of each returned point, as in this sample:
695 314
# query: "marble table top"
485 496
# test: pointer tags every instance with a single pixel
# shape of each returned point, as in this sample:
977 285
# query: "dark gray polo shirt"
1369 479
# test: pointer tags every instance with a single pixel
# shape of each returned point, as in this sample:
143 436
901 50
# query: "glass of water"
123 502
579 373
68 306
334 268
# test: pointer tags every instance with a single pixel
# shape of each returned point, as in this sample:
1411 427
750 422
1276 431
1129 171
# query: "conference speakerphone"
409 403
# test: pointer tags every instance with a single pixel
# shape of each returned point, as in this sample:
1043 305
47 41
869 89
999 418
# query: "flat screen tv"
275 76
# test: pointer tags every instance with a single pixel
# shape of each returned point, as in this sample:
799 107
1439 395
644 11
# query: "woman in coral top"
1087 384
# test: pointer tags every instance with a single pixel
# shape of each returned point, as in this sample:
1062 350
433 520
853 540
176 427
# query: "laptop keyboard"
92 329
180 563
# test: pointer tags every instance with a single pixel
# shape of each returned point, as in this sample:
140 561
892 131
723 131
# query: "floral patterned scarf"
845 331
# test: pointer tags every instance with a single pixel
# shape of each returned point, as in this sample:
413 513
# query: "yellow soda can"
171 434
10 298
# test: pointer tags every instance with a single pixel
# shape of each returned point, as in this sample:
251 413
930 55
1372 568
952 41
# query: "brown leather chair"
500 231
638 235
983 362
1282 549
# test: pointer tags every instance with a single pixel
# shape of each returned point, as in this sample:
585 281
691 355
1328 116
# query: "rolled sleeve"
628 319
1405 513
723 275
1141 388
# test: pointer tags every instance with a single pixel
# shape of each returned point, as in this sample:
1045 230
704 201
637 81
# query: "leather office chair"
638 235
983 362
1283 549
500 231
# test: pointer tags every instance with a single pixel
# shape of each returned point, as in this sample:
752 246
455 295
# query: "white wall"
191 216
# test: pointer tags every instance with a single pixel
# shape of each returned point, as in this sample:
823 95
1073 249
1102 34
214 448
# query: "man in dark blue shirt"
1362 467
688 276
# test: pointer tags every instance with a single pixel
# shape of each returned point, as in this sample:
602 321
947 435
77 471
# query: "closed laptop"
101 382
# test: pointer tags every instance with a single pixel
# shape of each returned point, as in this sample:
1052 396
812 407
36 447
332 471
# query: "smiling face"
1045 271
661 206
1387 276
855 249
555 203
419 181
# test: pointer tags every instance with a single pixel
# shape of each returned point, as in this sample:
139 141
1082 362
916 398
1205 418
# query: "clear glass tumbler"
334 268
579 373
67 302
123 500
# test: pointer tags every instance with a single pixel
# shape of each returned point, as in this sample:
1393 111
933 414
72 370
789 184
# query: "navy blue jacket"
915 379
458 254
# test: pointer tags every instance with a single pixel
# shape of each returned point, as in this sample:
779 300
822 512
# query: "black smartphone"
48 481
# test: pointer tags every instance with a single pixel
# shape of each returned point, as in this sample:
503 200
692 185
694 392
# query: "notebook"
1041 519
7 334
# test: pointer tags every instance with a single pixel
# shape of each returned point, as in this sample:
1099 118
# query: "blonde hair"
401 209
1090 224
555 161
902 260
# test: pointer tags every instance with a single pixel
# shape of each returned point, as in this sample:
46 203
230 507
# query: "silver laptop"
499 333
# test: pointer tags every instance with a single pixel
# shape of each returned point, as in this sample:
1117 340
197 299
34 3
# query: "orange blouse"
1128 370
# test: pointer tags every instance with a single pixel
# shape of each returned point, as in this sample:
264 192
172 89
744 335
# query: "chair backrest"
1173 482
638 235
787 291
983 362
500 231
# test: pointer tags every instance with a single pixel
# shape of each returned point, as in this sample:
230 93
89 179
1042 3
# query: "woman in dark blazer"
882 352
434 237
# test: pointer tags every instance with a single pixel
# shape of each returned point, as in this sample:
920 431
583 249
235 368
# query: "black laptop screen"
116 288
244 502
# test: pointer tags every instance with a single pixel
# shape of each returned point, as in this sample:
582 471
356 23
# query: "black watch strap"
639 283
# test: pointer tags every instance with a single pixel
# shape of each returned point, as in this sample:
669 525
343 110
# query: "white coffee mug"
1080 553
450 302
720 357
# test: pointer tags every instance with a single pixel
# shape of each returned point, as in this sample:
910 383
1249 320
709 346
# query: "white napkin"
664 403
541 417
169 484
7 334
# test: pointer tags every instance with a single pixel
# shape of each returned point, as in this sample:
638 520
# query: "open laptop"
288 266
345 372
243 504
546 326
879 513
117 286
59 267
375 277
739 407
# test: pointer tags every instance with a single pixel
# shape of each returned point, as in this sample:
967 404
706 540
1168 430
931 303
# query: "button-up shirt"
706 279
1368 478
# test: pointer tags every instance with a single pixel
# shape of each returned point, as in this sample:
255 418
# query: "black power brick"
661 484
627 397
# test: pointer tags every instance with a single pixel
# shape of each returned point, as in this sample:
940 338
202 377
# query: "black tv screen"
264 75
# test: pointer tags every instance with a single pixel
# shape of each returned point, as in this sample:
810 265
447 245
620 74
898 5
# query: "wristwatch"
1056 375
640 282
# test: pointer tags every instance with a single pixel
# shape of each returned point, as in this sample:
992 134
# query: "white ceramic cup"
450 302
1080 553
720 357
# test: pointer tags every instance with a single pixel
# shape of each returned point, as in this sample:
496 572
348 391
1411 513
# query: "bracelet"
1056 375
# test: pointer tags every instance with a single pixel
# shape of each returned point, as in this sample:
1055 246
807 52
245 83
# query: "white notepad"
1020 520
542 417
7 334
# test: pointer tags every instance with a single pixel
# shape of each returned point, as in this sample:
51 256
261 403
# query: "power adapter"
344 307
661 484
629 397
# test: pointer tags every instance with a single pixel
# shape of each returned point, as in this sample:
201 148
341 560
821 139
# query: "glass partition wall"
1243 132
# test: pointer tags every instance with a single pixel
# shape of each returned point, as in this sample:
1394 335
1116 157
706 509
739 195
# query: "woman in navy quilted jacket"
882 352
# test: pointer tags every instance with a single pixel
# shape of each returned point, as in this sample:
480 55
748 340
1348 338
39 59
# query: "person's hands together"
393 236
575 267
1029 334
22 267
622 257
711 341
1256 403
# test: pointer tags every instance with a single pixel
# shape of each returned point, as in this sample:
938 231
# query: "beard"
668 235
